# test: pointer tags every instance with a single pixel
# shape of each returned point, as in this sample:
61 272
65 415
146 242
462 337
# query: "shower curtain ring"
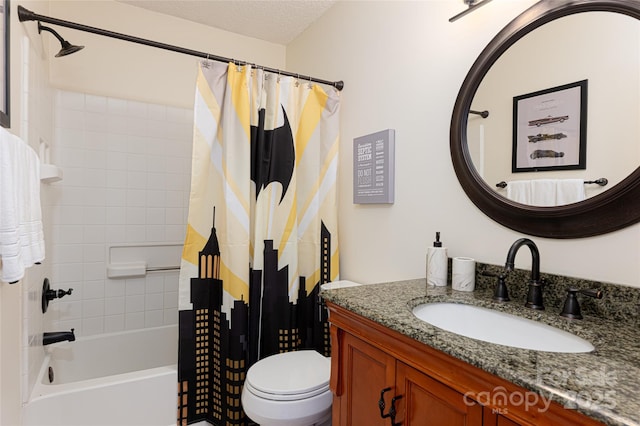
206 63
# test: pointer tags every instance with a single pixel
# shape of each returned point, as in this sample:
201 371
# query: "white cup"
463 275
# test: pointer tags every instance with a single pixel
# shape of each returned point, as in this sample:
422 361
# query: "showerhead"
67 48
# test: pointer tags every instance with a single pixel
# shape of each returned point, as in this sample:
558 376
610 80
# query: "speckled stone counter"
603 384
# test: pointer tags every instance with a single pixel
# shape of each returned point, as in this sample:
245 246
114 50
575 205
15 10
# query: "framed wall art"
4 63
549 129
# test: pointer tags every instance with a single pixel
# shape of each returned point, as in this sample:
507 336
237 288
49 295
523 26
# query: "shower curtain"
262 232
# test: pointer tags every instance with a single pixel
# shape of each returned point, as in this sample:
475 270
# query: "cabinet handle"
392 411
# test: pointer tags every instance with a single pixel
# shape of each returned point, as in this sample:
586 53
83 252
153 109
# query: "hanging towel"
21 234
519 191
543 192
569 191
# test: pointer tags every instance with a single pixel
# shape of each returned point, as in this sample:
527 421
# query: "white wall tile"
155 215
94 271
93 234
113 323
153 318
69 100
67 253
135 286
115 197
117 142
70 119
94 215
66 137
115 234
136 215
170 316
67 272
116 179
95 159
95 122
94 325
153 301
66 215
95 178
154 283
134 320
135 233
116 106
116 215
93 308
156 233
115 288
171 283
156 198
170 300
134 303
96 104
175 232
93 289
93 252
127 166
114 306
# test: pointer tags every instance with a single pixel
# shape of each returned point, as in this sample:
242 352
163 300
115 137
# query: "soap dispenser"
437 263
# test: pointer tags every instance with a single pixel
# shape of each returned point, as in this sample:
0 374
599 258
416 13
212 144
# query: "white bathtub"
117 379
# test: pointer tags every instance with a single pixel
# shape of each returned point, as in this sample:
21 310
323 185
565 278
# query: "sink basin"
500 328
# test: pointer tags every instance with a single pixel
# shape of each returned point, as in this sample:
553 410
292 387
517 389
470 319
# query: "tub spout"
57 336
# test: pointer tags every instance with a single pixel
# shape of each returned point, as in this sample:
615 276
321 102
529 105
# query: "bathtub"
116 379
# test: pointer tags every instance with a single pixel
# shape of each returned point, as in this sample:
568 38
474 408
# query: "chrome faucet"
57 336
534 296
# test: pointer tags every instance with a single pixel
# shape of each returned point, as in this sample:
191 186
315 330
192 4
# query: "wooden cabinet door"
366 371
425 401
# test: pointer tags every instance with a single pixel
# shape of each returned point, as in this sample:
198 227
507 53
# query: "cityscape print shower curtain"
262 232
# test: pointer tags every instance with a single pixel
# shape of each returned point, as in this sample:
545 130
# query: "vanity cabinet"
425 386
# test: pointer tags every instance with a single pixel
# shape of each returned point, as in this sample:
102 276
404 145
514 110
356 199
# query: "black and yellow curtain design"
262 232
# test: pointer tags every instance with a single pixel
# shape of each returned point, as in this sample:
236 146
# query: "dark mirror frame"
614 209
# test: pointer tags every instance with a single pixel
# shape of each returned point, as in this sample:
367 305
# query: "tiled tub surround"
127 168
603 384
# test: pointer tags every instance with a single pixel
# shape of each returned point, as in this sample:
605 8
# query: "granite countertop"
603 384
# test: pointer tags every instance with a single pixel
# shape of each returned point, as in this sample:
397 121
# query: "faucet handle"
501 293
571 308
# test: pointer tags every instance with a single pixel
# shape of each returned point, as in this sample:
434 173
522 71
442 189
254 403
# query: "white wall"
403 64
116 68
21 326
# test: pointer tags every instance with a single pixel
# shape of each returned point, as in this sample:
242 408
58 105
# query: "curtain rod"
27 15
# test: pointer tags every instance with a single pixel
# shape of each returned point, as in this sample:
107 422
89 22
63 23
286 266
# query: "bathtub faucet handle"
52 294
48 294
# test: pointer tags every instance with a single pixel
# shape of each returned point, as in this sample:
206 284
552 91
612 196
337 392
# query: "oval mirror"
551 50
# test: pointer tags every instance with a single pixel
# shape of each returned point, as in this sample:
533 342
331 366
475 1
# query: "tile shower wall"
127 168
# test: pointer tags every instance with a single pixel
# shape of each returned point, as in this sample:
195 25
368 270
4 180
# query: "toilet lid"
290 375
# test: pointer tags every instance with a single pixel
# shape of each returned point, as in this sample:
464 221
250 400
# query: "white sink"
500 328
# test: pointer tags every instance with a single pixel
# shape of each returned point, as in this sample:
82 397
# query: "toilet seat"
290 376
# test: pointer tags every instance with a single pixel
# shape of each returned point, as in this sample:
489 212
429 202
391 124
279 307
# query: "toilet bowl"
292 388
289 389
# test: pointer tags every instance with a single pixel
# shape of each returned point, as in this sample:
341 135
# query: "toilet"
291 388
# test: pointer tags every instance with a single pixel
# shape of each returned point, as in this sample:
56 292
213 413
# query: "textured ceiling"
277 21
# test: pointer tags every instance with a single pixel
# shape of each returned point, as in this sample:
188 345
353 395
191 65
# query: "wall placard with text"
373 168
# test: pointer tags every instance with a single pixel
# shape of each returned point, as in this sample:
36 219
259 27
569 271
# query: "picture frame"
4 64
550 129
